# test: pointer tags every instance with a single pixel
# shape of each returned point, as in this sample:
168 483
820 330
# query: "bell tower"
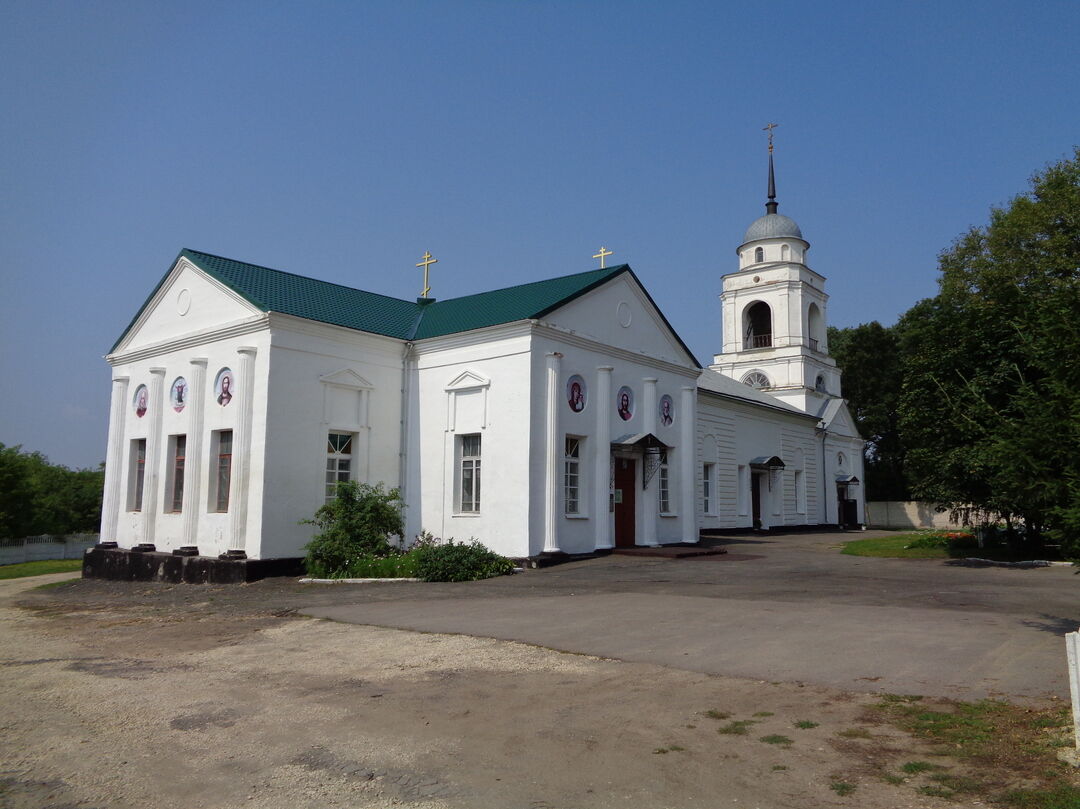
774 313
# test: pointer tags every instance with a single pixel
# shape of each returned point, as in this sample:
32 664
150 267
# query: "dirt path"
126 705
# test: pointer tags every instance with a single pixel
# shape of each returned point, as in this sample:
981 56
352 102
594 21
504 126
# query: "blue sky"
511 139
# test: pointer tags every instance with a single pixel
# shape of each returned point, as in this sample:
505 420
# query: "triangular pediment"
839 421
186 301
469 380
621 313
346 378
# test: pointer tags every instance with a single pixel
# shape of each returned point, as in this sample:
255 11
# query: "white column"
238 493
194 461
114 462
688 464
602 473
153 457
650 501
552 455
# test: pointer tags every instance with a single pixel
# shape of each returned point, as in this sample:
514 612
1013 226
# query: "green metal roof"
278 291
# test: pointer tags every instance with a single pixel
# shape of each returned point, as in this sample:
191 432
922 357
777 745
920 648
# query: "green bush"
355 525
461 561
396 566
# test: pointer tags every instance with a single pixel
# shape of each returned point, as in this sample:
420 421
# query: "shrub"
356 524
958 543
462 561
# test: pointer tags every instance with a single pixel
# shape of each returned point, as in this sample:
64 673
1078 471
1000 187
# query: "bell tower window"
756 379
759 254
757 325
785 252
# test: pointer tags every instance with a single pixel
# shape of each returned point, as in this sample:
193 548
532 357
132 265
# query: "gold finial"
427 262
769 128
602 255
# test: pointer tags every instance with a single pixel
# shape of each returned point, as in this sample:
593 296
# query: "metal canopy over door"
625 480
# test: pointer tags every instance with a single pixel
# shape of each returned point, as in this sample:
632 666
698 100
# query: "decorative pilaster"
114 463
688 465
241 464
153 460
650 505
602 473
194 461
551 455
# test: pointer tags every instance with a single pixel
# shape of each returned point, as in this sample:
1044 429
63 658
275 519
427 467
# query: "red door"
625 480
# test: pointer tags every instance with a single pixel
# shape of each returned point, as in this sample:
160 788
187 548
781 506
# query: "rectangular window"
743 483
664 487
572 475
800 492
339 447
177 453
222 472
469 480
136 474
707 496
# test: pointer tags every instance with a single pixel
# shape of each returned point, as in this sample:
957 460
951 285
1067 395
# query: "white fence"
48 546
907 514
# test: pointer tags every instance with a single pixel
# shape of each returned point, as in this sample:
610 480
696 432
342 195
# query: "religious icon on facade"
178 394
667 410
624 402
139 402
223 385
576 393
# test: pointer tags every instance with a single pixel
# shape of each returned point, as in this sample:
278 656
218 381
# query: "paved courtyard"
778 608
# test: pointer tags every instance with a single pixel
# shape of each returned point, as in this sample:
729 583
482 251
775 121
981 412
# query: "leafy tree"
357 523
37 497
990 408
869 357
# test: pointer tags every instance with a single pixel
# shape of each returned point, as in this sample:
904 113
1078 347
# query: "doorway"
625 481
755 498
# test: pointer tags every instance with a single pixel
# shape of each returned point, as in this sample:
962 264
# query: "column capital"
158 371
251 350
199 361
605 369
649 380
121 379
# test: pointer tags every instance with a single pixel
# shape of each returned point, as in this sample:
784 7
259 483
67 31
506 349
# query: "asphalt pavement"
777 608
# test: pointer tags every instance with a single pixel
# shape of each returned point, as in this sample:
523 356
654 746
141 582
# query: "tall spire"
771 205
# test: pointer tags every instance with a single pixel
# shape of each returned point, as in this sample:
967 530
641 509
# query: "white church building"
560 416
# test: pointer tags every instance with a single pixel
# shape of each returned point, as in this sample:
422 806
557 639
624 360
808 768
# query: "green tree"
37 497
869 357
990 409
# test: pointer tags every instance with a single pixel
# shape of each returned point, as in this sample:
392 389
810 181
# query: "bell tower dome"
774 313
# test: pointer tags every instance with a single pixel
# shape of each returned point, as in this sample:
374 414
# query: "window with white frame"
708 484
339 453
663 490
469 473
136 474
175 473
221 448
572 474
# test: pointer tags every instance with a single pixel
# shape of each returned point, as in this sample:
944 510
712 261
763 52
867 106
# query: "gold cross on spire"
769 128
425 263
602 255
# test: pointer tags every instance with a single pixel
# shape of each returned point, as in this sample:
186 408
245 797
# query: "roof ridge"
293 274
607 270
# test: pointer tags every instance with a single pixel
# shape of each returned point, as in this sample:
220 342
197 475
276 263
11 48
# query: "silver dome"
772 226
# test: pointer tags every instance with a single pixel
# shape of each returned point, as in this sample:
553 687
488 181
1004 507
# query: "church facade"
564 415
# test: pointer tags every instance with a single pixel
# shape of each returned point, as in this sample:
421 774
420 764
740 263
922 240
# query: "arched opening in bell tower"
815 327
757 325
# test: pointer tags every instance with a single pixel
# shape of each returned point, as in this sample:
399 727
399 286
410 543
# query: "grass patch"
894 547
740 727
842 788
41 568
1005 754
779 767
764 713
889 778
717 714
854 733
671 748
805 724
775 738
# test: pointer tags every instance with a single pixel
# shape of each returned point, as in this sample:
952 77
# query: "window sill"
576 516
468 514
668 514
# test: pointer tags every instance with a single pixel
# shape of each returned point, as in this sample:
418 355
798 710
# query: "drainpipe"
824 479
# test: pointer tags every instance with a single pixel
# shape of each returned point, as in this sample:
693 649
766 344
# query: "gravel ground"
136 695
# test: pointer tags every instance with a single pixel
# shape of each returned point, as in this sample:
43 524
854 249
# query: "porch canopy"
766 463
641 440
850 480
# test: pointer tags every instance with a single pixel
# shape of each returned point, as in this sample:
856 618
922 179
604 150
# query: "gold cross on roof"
425 263
769 128
602 255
